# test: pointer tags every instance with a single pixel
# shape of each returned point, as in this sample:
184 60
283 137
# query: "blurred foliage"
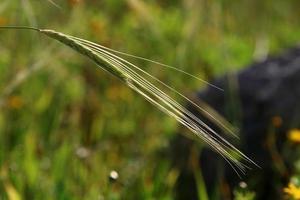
65 125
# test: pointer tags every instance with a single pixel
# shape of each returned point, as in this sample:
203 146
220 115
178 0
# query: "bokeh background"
67 127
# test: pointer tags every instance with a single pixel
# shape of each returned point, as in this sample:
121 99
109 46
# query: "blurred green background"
66 125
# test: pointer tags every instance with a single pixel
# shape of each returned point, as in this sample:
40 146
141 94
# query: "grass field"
67 127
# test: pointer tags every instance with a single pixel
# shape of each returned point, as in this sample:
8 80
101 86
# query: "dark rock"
263 101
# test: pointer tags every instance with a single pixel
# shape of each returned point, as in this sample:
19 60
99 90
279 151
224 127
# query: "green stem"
20 27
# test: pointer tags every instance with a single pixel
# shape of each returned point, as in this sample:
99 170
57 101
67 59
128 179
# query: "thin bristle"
100 47
184 111
136 78
152 61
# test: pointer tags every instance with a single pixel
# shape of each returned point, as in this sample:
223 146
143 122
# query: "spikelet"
136 79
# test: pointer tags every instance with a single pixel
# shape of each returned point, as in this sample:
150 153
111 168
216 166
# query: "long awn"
135 78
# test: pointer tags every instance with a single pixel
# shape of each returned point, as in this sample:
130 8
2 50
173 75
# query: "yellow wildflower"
292 191
15 102
294 135
277 121
3 21
74 2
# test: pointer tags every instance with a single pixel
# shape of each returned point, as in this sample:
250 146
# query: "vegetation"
70 131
